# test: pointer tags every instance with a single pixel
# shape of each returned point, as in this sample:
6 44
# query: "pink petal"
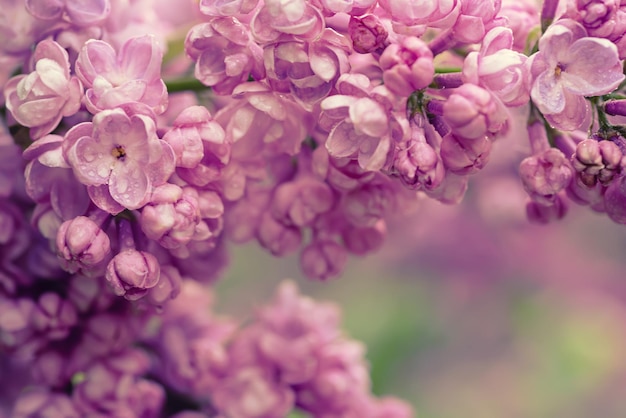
101 197
343 141
141 57
547 93
129 185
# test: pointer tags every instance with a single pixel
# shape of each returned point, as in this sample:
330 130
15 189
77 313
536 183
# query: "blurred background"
471 311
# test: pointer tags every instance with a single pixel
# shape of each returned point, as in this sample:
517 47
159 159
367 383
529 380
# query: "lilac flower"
201 146
362 240
546 174
41 403
411 12
323 259
50 180
465 156
367 33
251 392
293 17
362 126
113 387
597 161
262 122
120 152
131 77
472 112
224 53
308 70
352 7
227 8
522 16
81 13
300 201
407 66
499 69
131 273
569 66
53 316
276 237
615 200
417 163
82 244
42 98
172 217
475 19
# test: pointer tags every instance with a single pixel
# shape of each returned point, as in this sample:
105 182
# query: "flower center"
118 152
557 70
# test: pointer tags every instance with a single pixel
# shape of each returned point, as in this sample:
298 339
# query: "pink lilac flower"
40 100
472 112
475 19
172 217
294 17
597 161
602 19
262 122
465 156
126 78
227 7
323 259
310 69
546 174
428 12
367 33
224 53
362 124
77 12
499 69
201 146
351 7
522 17
82 244
407 66
131 273
40 402
120 153
569 66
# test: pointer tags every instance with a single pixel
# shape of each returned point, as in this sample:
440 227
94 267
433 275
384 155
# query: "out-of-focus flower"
77 12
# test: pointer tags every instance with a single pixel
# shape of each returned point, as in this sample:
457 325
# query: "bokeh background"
470 311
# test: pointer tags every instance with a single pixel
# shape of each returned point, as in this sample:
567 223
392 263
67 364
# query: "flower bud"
131 273
82 244
367 33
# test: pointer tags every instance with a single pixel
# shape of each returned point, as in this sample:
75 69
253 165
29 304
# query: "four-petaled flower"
121 152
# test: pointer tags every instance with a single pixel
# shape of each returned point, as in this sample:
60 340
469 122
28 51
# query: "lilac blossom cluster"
301 124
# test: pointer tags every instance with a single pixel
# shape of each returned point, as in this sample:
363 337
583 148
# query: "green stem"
446 70
185 84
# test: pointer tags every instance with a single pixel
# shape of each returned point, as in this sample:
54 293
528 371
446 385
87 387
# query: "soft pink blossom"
40 100
128 77
569 67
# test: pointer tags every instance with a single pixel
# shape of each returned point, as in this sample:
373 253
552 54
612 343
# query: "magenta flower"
40 99
120 152
569 66
132 76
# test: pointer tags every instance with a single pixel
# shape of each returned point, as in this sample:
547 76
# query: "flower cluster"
302 125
